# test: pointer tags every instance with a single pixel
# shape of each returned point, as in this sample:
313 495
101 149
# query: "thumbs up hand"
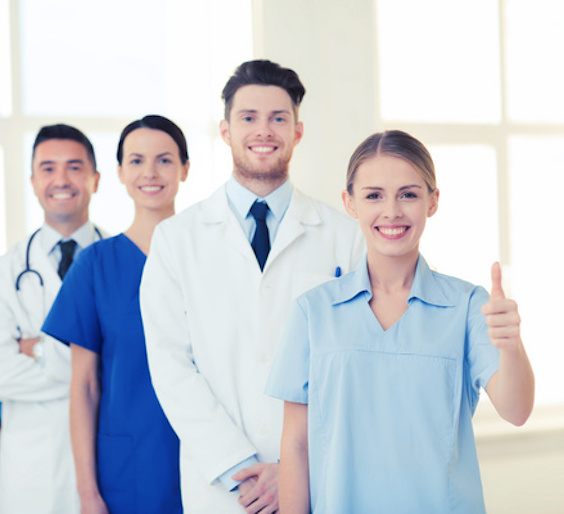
502 316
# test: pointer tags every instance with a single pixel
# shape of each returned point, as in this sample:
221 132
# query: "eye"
135 160
165 160
374 196
279 119
247 119
410 195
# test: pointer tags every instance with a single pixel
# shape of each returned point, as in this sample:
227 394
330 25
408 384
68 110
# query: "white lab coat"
36 465
213 322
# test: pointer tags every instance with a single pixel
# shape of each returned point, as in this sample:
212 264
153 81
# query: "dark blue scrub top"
98 309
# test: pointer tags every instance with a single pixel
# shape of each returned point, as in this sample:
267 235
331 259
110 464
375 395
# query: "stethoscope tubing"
28 268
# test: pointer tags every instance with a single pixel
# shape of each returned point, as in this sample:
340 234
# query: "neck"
66 227
260 186
391 273
144 224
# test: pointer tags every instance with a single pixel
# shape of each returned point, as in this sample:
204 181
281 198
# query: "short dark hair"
263 73
62 131
156 122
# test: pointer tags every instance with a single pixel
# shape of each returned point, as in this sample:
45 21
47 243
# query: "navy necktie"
67 251
261 240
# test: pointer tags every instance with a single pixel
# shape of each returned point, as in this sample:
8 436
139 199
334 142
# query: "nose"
264 128
61 177
150 170
392 208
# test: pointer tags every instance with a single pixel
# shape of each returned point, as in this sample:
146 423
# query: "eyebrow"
403 188
71 161
136 154
254 111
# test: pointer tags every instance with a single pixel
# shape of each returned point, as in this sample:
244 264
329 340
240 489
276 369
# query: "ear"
96 181
434 203
224 131
185 169
348 202
299 132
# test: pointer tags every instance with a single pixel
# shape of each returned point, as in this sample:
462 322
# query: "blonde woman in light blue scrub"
381 369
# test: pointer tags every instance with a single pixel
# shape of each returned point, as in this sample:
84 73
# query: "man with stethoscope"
36 466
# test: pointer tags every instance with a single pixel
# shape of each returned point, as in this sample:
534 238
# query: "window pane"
5 71
537 280
103 58
3 205
461 239
535 39
433 65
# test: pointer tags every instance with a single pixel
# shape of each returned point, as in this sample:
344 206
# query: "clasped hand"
259 489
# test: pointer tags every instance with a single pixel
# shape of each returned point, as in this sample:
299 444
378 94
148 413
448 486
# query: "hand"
501 315
259 489
26 346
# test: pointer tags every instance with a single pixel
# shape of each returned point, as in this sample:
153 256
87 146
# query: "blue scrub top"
98 308
389 412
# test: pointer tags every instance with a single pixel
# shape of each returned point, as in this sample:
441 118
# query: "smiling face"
262 131
151 169
392 203
63 180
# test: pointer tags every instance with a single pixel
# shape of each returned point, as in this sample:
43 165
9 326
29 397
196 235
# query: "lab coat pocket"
116 472
303 282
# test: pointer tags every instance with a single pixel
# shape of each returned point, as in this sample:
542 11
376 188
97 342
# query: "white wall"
330 44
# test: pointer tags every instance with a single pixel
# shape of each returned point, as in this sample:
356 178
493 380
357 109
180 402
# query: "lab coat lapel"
217 215
301 212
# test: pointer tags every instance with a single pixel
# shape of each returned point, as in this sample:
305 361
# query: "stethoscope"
29 269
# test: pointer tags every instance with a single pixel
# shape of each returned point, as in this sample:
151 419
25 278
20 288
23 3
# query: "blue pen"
338 272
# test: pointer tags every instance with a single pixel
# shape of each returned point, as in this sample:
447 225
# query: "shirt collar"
241 199
425 286
84 236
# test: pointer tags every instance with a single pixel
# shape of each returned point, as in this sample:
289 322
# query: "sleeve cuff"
226 479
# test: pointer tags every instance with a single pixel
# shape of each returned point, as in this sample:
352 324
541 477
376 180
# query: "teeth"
61 196
151 189
392 231
262 149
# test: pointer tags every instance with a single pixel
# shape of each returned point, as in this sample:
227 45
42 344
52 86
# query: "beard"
276 171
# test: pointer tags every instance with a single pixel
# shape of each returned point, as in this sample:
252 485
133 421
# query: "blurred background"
480 83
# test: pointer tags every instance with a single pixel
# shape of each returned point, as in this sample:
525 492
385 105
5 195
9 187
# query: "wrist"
38 350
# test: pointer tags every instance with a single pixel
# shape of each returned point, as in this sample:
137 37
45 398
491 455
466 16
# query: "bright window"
438 71
481 84
100 66
5 71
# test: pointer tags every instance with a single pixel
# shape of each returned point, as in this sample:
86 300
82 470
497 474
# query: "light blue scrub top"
389 412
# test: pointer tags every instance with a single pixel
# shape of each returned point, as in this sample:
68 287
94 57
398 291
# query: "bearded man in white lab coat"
36 464
216 290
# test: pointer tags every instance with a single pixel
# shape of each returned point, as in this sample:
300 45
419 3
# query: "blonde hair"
395 143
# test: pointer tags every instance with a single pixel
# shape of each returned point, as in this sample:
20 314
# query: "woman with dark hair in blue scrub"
126 453
381 369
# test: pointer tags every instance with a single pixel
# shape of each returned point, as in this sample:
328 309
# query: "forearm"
512 388
294 480
84 407
22 378
294 461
